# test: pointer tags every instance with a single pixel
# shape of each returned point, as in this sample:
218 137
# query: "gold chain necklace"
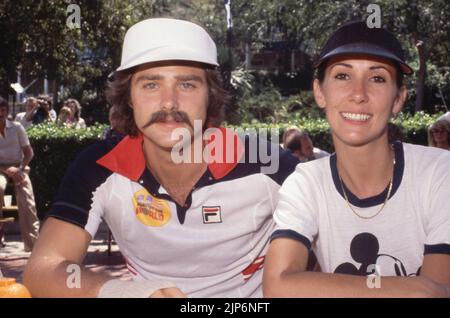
384 203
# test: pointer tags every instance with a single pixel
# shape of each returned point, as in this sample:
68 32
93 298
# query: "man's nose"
169 99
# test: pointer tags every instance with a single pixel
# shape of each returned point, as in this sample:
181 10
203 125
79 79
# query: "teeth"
356 117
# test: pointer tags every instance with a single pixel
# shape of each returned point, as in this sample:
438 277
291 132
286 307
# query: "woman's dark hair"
118 95
320 73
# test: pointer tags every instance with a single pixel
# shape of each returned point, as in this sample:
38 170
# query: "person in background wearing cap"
185 229
372 207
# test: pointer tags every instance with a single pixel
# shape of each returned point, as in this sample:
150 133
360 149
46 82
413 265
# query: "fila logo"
211 214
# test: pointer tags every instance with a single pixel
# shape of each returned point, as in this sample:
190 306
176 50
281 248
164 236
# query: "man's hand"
17 175
168 293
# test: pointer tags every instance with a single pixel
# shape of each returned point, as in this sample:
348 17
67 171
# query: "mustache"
161 116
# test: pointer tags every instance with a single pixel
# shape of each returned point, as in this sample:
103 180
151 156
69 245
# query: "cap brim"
167 53
366 49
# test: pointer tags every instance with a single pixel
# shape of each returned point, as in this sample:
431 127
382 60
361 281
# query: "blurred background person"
290 131
15 155
44 111
65 117
26 118
76 121
439 133
300 144
114 131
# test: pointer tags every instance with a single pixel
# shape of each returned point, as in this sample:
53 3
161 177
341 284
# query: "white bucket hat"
162 39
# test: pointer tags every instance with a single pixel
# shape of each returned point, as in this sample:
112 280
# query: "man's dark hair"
294 142
46 98
118 96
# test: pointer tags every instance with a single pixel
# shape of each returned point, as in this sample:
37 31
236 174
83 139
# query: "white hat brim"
167 53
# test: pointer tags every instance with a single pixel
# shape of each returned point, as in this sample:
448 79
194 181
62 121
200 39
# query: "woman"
76 121
64 117
439 134
372 207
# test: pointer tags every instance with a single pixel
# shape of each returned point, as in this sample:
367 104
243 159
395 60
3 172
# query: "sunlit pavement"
13 258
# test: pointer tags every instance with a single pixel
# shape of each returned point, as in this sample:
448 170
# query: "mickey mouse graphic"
364 249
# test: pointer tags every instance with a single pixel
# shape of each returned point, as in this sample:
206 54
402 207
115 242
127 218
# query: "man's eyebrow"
189 77
156 77
148 78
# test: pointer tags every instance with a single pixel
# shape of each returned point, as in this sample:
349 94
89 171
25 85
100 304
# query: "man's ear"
318 95
399 101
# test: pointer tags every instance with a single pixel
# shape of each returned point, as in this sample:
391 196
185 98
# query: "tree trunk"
55 92
421 75
248 56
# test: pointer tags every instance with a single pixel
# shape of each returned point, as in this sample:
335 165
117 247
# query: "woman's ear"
400 100
318 95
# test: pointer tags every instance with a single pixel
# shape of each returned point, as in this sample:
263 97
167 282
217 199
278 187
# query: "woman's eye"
378 79
341 76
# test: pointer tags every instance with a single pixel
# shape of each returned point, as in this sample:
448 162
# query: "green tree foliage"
35 37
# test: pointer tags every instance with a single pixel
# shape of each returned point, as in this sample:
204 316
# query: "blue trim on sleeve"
293 235
69 216
437 249
73 201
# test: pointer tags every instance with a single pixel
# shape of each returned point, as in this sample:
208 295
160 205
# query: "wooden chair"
9 212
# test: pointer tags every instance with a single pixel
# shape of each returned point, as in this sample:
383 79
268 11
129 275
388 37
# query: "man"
114 124
44 111
15 155
26 118
301 146
197 229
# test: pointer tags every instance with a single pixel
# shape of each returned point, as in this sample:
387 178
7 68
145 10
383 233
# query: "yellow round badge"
149 210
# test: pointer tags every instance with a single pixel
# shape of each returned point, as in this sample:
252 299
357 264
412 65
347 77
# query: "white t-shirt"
319 153
11 145
20 117
415 220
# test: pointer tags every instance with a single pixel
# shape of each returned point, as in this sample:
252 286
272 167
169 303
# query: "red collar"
127 157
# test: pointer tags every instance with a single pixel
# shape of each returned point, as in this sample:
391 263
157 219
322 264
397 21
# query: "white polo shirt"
11 144
214 246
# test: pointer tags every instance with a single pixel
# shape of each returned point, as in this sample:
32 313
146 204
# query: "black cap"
357 38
